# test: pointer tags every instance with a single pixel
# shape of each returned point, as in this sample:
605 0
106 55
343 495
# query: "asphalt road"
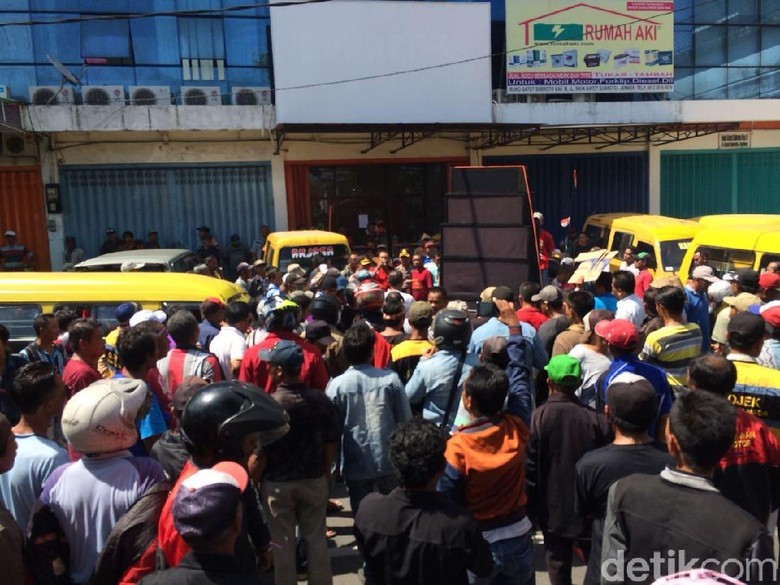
346 560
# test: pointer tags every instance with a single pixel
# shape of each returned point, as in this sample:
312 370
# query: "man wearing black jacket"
656 524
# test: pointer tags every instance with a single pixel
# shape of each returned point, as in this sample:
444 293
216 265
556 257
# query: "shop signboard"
601 46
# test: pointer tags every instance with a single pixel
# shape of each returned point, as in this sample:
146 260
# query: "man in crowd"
577 305
749 473
40 394
109 364
550 300
697 306
111 244
744 288
629 257
437 298
437 541
212 311
562 431
677 343
11 537
370 403
680 509
44 348
15 257
630 408
405 356
529 309
297 468
395 283
629 306
421 279
645 277
85 337
230 343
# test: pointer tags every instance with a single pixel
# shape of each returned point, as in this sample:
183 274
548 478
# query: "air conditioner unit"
18 144
151 95
250 96
103 95
5 93
201 96
50 95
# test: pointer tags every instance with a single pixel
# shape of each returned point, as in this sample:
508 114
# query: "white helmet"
101 417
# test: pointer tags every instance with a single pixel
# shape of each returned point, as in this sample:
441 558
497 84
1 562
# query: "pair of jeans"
303 503
513 560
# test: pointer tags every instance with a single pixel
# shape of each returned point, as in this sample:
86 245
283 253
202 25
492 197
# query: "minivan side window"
645 247
621 241
18 319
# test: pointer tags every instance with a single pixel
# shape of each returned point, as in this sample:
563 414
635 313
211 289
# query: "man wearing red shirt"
546 246
529 310
384 268
645 277
422 280
86 339
281 318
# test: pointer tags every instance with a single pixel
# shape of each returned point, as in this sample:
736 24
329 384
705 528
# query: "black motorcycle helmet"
325 308
219 416
452 330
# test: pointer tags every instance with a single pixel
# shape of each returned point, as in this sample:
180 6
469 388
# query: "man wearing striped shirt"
677 343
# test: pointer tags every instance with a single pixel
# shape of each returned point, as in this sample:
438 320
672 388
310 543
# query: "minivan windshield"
336 254
673 252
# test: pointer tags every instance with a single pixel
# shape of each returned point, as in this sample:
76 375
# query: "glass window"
683 11
672 253
711 84
621 241
647 249
683 83
769 83
246 42
710 45
337 254
710 12
744 45
156 41
743 11
770 11
725 259
201 38
105 38
743 82
770 46
18 319
766 259
683 46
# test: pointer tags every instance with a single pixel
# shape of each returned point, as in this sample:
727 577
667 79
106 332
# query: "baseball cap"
258 262
595 317
495 351
747 276
366 261
147 315
293 279
743 301
769 280
564 370
538 215
284 353
548 294
745 328
362 275
642 256
487 294
185 390
10 233
730 276
619 332
404 253
706 273
341 283
420 314
319 331
503 293
124 311
242 266
632 402
211 305
203 228
206 503
772 316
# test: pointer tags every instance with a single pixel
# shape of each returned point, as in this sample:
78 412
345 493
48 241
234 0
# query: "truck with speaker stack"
489 237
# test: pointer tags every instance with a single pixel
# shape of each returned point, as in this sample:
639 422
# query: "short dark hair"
713 373
703 252
417 452
624 281
649 301
41 321
5 335
134 346
358 343
438 289
272 272
487 386
182 325
671 298
82 330
395 278
704 426
33 385
236 311
394 304
604 281
529 289
580 302
65 317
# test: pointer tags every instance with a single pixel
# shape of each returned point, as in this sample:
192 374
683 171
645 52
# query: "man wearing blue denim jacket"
536 356
431 382
371 403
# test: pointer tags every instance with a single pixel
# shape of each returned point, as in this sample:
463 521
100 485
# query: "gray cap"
548 294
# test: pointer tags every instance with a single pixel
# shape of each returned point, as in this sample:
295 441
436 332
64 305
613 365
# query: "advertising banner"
602 46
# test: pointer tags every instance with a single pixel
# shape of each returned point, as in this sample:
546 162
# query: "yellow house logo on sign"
602 46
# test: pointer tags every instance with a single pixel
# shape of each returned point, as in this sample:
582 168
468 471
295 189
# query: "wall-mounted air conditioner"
50 95
250 96
5 93
103 95
17 144
149 95
201 96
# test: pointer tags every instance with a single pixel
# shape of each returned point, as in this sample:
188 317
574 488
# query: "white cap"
147 315
538 215
101 417
10 233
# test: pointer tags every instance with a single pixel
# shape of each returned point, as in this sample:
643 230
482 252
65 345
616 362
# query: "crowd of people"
628 422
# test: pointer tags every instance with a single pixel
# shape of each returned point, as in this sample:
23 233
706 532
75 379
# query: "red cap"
618 332
772 316
769 280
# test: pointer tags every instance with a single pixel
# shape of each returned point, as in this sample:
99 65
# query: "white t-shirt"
629 267
631 309
593 365
36 458
228 345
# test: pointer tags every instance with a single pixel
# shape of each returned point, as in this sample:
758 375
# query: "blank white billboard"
382 62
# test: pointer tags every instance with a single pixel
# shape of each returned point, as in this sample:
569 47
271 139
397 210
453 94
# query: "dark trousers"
558 557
